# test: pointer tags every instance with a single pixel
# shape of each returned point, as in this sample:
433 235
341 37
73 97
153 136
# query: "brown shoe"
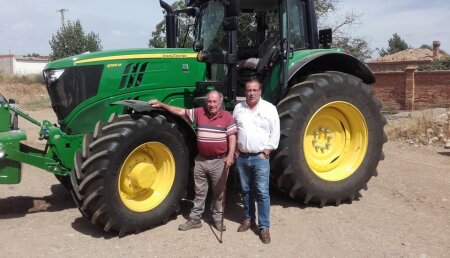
246 225
264 235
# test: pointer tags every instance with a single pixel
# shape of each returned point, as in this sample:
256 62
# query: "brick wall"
432 89
378 66
411 89
390 89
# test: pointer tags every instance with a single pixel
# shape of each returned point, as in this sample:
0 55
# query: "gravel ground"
405 213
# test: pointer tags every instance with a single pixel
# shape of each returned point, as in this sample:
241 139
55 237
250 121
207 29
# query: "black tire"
299 165
99 179
64 180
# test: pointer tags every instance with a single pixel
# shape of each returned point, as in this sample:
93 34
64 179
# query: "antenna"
62 11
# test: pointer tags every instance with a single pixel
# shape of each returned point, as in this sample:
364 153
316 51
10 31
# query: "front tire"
131 173
331 139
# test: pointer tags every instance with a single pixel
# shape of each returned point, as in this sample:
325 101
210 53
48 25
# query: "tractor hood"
112 55
83 87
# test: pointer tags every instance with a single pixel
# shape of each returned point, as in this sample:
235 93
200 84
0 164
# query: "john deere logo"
174 56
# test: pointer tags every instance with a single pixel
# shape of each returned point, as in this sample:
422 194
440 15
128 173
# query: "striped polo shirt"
212 132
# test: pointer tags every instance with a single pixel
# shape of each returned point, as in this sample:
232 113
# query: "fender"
326 61
136 105
142 107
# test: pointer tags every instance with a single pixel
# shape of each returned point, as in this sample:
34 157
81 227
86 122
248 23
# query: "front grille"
74 86
133 75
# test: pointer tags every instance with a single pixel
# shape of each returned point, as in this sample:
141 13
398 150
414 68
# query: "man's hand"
172 109
155 103
229 161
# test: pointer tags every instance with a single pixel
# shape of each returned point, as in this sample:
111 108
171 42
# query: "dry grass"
28 90
23 79
427 127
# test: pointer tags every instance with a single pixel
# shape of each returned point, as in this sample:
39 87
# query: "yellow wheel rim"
335 142
146 176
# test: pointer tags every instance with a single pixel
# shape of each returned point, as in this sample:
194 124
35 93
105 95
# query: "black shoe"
190 224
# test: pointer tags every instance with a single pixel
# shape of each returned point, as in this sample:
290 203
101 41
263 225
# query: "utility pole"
62 11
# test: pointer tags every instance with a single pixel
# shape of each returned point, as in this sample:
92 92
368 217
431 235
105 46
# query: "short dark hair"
254 80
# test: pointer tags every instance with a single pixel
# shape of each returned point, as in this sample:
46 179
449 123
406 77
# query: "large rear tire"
331 139
131 173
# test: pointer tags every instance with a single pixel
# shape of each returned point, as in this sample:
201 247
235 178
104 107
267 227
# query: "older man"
216 141
258 135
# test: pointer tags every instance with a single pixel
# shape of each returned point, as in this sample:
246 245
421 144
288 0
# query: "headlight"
51 76
2 153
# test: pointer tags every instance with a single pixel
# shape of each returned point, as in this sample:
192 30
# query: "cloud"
417 22
119 33
23 26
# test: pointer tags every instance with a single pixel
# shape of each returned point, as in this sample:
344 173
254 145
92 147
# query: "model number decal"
113 65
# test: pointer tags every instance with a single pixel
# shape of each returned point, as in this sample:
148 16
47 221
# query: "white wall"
28 67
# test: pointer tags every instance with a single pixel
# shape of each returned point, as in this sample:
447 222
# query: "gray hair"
216 92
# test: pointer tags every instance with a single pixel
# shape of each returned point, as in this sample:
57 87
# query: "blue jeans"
254 176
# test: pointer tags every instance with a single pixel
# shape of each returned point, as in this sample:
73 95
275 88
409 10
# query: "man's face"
213 103
252 93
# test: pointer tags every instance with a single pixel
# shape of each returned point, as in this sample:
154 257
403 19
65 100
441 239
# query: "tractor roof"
258 5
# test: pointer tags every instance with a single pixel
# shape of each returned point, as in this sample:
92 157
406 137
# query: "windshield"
210 30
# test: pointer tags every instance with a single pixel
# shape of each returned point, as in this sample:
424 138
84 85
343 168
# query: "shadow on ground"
19 206
444 153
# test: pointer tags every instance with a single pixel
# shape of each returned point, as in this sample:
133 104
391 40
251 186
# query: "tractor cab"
240 40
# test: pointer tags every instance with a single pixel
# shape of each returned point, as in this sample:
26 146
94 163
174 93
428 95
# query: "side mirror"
231 8
198 45
230 23
326 37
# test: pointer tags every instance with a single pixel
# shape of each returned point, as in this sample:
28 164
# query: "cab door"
293 30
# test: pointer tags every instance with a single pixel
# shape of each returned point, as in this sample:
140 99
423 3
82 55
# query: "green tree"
33 55
357 47
395 44
441 51
184 39
71 40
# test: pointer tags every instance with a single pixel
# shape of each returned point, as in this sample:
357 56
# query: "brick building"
400 85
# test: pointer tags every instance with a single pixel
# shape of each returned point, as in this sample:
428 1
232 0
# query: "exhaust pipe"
171 39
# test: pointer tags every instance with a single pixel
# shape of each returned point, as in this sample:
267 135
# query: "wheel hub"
335 141
142 176
322 140
146 176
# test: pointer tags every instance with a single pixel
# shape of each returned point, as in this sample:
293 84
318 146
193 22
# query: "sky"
26 26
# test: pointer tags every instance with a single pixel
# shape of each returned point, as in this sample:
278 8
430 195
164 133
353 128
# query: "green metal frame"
57 157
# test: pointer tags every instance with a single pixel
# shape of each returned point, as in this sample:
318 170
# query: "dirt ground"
405 213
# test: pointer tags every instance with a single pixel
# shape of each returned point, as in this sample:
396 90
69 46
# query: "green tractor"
127 164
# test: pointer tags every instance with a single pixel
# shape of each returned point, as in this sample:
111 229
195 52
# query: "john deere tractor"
127 164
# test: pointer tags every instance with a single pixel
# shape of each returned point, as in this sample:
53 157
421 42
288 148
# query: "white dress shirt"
258 129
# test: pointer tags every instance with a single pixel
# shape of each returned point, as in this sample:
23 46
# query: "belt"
250 153
220 156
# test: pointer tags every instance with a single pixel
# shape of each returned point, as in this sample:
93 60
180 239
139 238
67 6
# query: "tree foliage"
71 40
357 47
395 44
33 55
441 51
185 23
437 64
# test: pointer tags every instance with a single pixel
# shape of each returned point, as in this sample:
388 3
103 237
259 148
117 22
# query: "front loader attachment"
56 158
